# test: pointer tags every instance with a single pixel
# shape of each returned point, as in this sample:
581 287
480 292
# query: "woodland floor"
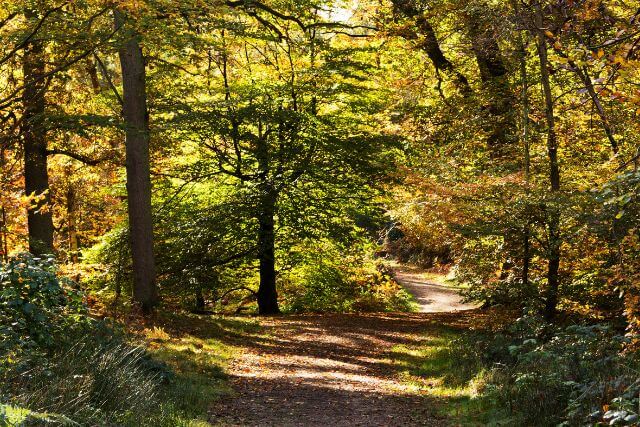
340 369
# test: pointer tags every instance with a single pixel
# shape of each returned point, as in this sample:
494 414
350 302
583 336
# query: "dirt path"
334 370
432 295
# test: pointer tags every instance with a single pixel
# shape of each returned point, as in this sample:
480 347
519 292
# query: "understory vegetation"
523 371
61 366
168 165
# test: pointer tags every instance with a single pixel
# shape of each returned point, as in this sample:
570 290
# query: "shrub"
36 306
59 365
547 375
332 279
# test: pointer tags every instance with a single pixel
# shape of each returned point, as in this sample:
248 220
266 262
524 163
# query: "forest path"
339 369
327 370
430 291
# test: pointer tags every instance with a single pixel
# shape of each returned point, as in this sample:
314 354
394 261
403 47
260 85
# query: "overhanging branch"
77 156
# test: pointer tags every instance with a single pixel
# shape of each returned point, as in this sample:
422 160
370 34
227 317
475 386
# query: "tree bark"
136 120
495 82
200 303
267 292
583 75
92 72
72 224
526 232
36 177
428 42
586 79
553 281
4 244
493 71
3 233
267 201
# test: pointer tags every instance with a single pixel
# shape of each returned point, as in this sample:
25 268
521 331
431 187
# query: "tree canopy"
266 155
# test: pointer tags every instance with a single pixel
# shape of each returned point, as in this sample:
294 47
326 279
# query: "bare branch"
77 156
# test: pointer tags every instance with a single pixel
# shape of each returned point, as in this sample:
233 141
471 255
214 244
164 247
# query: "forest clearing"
327 212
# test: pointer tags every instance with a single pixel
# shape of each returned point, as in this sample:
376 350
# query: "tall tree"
494 76
553 212
36 176
421 30
136 121
493 71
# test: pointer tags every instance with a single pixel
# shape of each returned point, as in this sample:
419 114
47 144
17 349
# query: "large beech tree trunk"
553 211
36 177
136 119
493 71
424 33
267 202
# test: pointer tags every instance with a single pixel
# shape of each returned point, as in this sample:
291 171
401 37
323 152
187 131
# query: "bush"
547 375
59 365
331 279
37 308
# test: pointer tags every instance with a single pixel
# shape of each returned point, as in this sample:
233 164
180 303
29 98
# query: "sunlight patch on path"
336 370
430 291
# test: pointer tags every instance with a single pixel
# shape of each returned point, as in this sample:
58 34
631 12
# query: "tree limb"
33 32
77 156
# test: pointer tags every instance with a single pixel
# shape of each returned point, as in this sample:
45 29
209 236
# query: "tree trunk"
3 233
267 293
586 79
4 244
36 177
526 232
553 211
495 81
200 303
136 120
72 224
428 43
92 71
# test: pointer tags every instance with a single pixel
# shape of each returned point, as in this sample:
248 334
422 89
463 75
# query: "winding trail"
338 369
433 296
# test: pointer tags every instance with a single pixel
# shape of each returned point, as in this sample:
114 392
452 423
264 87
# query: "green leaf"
28 308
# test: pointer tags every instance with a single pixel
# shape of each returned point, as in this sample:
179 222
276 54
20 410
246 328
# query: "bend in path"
340 369
432 296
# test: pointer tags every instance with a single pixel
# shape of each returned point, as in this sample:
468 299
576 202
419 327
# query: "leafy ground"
334 369
327 370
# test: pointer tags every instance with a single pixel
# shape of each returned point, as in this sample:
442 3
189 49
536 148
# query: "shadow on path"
331 370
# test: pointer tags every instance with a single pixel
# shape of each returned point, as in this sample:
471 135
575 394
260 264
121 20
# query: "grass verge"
197 349
445 368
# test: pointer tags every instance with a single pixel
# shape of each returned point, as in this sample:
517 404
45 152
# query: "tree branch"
105 74
31 34
250 6
80 157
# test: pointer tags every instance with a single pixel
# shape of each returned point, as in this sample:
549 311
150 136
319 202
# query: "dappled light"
319 213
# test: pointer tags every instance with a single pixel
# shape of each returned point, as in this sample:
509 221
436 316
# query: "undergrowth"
337 279
60 366
529 373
